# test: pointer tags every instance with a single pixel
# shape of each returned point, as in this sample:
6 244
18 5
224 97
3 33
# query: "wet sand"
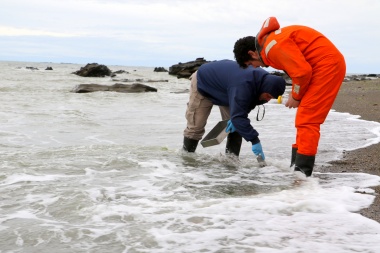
360 98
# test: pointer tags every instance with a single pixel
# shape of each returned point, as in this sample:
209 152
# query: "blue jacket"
225 83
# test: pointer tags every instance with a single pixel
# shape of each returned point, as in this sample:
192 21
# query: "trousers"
198 110
316 103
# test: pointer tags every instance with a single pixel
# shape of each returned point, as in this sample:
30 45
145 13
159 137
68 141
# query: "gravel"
360 98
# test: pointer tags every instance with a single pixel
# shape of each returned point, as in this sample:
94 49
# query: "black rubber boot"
190 145
233 143
305 164
293 157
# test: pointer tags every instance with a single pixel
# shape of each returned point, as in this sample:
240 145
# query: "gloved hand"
257 149
230 127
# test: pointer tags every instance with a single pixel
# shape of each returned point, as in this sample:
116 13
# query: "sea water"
104 172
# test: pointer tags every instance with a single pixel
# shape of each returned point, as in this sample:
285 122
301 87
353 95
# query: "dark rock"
120 72
181 91
94 70
159 69
49 68
185 73
31 68
287 79
279 73
117 87
185 70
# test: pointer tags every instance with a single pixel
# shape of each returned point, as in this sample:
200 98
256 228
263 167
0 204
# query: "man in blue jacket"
236 91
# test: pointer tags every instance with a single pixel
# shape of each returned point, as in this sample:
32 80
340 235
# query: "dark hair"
241 48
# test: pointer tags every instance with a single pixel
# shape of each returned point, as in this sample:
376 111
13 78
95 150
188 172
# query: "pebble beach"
360 98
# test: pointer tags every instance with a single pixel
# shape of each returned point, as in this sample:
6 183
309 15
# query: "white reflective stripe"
266 23
277 31
270 45
296 89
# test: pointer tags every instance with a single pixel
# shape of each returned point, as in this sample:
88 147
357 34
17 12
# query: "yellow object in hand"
279 99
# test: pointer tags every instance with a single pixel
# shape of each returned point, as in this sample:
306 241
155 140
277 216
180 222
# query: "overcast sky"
160 33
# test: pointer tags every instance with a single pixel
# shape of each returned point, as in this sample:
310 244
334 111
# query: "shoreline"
360 98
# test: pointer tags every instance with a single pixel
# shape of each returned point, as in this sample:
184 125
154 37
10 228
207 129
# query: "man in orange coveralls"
317 70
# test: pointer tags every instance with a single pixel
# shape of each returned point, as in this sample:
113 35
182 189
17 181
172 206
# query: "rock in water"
117 87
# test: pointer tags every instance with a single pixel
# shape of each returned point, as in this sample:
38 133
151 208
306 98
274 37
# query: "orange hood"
270 24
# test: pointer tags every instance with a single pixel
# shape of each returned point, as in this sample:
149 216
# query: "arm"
292 103
241 99
239 103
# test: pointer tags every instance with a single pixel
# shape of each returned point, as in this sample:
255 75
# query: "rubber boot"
233 143
293 157
305 164
190 145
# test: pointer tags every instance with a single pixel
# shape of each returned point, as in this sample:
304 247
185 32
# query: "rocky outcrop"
185 70
93 70
361 77
159 69
347 78
287 79
117 87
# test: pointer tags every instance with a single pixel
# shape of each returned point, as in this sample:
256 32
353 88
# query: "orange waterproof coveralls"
317 70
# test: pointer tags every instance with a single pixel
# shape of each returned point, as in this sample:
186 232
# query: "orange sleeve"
285 55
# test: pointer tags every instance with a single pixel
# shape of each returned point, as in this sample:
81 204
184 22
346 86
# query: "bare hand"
292 103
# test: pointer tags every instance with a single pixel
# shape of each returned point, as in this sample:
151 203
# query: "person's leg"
234 140
293 155
197 112
225 112
313 110
233 145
